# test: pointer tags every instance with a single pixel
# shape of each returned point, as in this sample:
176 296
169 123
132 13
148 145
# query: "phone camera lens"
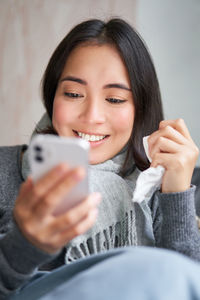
37 148
39 158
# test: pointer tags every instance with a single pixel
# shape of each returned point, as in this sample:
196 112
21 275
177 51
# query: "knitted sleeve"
196 182
19 259
174 222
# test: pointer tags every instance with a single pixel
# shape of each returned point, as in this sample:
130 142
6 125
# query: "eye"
73 95
114 100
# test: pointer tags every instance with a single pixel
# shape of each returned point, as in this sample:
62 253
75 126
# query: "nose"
93 112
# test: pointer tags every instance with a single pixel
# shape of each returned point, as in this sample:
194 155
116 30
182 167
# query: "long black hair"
141 71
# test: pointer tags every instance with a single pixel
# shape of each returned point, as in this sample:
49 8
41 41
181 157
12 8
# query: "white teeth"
91 138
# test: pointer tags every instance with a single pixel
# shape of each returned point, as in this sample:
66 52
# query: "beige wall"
172 31
30 31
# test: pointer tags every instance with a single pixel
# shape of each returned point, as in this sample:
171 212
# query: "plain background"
31 30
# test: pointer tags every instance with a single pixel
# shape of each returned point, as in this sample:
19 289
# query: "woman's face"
94 101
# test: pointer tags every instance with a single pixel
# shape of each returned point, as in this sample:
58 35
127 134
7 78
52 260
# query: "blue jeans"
139 273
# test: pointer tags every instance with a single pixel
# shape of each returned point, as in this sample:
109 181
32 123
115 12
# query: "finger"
177 177
179 125
25 186
169 133
164 159
48 236
80 228
170 161
42 186
48 203
75 214
24 192
51 178
164 145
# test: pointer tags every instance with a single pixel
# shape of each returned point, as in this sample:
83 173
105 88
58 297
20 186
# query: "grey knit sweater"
168 221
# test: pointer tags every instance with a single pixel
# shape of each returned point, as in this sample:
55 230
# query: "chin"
95 161
98 160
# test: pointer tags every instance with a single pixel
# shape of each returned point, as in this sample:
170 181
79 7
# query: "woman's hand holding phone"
36 203
172 147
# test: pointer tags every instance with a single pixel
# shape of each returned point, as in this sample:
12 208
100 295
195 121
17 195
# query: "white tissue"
149 180
146 147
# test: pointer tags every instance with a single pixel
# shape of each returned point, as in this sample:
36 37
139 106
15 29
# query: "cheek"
58 113
62 118
61 115
124 121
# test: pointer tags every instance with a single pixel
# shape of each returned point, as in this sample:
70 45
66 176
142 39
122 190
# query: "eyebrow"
72 78
117 85
107 86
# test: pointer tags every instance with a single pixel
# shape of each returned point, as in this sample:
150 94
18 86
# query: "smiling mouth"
90 137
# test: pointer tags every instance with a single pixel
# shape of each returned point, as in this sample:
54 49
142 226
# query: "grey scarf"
120 222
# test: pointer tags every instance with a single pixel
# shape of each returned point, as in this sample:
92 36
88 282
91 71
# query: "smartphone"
47 151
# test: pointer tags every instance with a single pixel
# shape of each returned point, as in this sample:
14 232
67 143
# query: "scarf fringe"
121 234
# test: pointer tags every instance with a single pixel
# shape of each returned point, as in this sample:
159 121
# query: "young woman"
100 85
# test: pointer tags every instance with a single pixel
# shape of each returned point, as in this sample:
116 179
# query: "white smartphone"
47 151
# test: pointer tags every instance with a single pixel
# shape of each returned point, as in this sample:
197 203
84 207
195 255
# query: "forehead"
96 61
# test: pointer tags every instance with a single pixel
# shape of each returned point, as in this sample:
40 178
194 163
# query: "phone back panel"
47 151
